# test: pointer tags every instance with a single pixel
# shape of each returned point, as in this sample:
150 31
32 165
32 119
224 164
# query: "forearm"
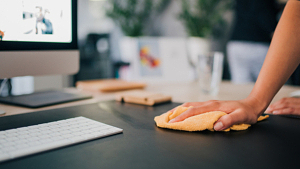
282 59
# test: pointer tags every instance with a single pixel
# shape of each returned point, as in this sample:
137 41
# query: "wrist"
258 105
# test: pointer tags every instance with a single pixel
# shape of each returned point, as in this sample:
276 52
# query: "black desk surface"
274 143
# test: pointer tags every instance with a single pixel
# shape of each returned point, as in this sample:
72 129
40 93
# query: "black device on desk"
44 98
273 143
40 38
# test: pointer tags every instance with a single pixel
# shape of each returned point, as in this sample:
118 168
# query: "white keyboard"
38 138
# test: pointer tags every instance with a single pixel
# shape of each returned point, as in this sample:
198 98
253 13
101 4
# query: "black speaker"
95 61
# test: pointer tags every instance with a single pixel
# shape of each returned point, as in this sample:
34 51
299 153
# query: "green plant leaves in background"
201 18
132 15
204 18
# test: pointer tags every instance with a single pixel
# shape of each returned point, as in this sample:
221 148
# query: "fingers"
238 112
283 111
188 104
287 111
194 104
285 106
285 102
236 117
203 108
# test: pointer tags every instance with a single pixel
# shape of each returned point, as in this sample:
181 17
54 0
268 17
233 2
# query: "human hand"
238 112
285 106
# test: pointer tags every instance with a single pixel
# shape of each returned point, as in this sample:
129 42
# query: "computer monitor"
38 37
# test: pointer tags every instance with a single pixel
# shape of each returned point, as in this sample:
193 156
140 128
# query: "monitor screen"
37 24
36 21
38 37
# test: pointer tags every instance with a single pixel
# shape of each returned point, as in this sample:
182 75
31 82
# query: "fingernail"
171 121
218 126
268 109
275 112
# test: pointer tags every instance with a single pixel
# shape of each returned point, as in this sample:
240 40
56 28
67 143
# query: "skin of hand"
281 61
285 106
242 111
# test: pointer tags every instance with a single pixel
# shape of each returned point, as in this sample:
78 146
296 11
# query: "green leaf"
132 15
203 17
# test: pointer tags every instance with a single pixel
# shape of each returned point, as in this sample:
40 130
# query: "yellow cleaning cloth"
196 123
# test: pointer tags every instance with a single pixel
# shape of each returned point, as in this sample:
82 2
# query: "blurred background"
113 34
160 40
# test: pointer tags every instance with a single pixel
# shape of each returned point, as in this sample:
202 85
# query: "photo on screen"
36 20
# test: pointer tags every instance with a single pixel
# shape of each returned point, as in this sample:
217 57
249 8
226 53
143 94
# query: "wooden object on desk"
108 85
180 92
143 97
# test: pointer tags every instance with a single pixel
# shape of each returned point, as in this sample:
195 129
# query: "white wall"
92 19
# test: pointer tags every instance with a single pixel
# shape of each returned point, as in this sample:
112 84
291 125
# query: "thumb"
229 120
222 123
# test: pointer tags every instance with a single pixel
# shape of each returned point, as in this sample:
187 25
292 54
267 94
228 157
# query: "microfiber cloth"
196 123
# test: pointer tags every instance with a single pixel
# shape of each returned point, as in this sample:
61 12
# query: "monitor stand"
44 98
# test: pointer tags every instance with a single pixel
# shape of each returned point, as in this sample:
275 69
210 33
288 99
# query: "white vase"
128 48
129 51
195 47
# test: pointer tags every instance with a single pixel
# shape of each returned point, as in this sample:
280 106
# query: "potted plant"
133 16
204 22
